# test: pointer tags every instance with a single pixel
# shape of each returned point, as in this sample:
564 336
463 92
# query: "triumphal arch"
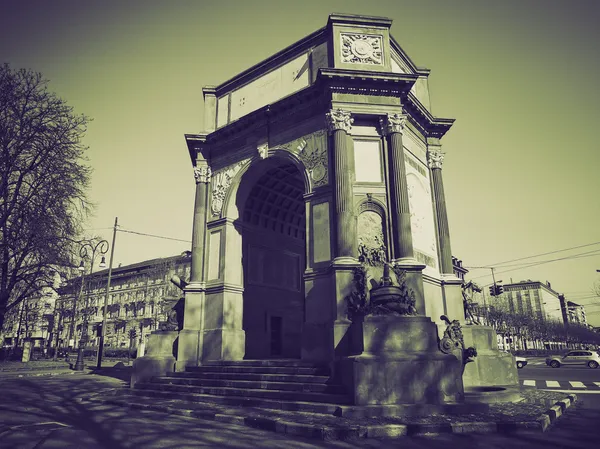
320 160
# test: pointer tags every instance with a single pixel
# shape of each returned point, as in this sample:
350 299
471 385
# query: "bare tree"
43 182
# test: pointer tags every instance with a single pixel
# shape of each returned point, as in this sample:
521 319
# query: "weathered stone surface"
491 366
422 379
161 343
410 334
147 367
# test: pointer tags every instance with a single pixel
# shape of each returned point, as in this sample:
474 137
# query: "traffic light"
499 290
492 290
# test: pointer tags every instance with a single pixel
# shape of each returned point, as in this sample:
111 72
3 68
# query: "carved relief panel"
421 211
312 151
362 48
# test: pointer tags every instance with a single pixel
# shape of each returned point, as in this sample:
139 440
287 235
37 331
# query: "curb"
56 372
346 432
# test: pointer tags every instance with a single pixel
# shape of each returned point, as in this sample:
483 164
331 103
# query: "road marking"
578 391
577 384
597 384
552 383
529 383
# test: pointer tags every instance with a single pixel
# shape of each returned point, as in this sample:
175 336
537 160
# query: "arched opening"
273 227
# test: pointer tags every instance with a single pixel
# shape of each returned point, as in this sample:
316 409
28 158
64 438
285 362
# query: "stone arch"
254 169
255 205
373 235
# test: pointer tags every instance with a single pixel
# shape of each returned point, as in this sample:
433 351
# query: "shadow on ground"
48 413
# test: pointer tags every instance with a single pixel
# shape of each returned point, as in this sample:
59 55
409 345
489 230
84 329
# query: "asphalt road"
581 380
45 412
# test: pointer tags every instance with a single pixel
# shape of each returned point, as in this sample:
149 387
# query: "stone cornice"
272 62
316 99
196 144
366 83
423 120
418 70
358 20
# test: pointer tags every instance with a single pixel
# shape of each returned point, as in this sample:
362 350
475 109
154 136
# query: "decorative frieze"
221 181
435 158
338 119
392 123
202 174
362 48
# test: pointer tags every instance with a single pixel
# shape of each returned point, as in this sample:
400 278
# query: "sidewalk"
49 367
49 413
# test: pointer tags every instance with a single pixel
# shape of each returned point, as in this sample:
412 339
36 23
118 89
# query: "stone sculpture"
453 343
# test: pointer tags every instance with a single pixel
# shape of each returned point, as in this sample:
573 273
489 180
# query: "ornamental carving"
392 123
338 119
435 158
453 343
362 48
371 241
220 185
202 174
312 151
263 151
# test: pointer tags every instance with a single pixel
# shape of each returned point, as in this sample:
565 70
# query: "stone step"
266 362
235 401
259 369
243 392
252 376
250 384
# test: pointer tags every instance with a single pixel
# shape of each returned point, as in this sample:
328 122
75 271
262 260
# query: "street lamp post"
104 311
93 247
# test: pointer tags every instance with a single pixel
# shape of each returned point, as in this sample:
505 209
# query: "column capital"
392 123
435 157
202 173
338 119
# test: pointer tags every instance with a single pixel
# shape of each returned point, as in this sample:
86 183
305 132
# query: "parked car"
521 361
589 358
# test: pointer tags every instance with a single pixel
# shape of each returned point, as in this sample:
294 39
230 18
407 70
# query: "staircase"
289 385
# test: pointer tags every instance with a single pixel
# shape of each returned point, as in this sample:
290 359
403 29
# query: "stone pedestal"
401 364
491 367
159 359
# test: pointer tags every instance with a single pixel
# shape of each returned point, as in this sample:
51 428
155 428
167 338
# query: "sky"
519 76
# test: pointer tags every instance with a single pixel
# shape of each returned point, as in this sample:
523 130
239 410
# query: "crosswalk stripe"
577 384
597 384
529 383
552 383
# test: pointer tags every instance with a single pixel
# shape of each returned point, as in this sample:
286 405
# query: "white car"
521 361
579 357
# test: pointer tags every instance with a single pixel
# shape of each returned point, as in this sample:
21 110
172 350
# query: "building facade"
32 319
535 298
576 313
135 302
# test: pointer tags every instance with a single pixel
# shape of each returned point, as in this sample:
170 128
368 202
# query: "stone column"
202 174
190 341
392 126
435 158
339 123
401 238
451 285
